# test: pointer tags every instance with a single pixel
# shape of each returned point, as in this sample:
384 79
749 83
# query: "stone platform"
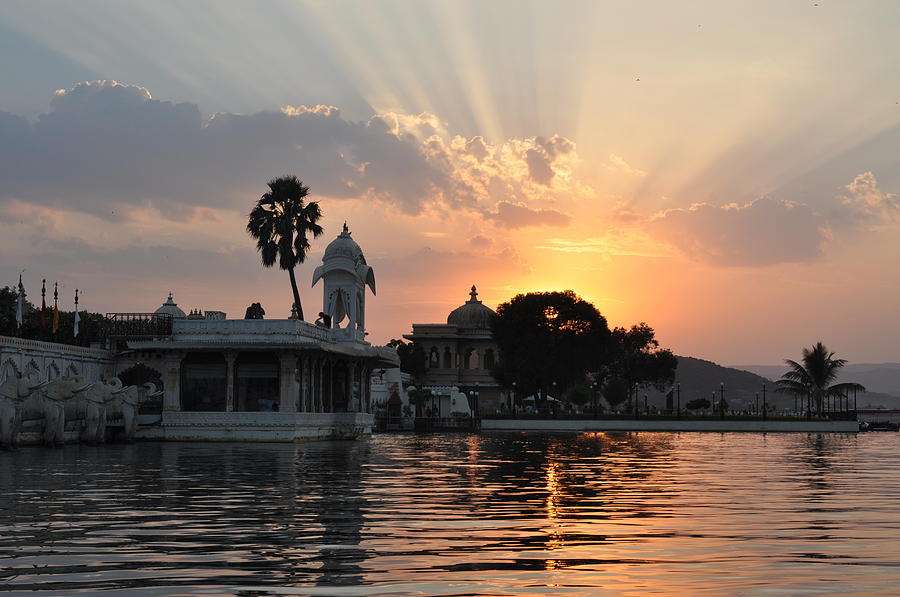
257 426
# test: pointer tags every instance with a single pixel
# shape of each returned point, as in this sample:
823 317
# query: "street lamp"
594 398
722 399
678 398
764 401
477 410
555 397
514 399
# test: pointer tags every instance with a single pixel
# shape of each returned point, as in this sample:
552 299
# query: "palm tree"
815 376
280 223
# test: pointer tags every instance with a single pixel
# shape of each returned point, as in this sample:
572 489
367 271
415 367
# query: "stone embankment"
717 425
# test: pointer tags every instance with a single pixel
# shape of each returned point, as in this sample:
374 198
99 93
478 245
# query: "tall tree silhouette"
281 223
815 375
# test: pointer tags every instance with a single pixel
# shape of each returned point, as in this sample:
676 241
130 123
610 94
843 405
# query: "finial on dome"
474 295
346 230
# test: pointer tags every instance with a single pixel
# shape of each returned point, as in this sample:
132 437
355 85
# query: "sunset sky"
726 172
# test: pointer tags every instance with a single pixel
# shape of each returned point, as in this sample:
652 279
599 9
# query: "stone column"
288 389
329 405
172 395
320 394
301 371
230 357
352 404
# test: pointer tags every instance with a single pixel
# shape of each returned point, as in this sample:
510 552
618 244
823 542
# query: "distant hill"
879 378
699 379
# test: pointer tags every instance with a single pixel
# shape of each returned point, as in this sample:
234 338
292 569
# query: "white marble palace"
460 355
263 379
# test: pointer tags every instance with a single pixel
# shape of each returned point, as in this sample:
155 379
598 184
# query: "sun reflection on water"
475 514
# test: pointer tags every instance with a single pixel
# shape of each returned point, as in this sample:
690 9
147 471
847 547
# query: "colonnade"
308 381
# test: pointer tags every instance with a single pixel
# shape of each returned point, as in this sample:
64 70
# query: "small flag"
77 315
20 304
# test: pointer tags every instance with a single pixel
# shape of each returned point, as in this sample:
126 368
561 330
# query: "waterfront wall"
257 426
54 360
666 425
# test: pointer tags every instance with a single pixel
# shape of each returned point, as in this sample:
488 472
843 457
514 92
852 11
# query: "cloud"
618 164
105 145
615 243
866 205
513 215
764 232
479 241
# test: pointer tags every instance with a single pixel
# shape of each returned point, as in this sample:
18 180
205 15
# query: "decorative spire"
346 231
473 295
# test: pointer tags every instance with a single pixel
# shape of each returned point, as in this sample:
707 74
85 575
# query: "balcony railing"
138 325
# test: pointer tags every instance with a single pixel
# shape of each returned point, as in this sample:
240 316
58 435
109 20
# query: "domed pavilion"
461 353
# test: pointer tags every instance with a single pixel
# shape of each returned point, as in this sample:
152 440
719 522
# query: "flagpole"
43 307
20 306
77 316
54 326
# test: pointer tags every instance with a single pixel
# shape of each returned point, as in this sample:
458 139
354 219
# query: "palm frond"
838 389
788 386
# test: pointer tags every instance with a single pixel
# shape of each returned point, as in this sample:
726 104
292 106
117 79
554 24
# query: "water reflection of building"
461 353
264 378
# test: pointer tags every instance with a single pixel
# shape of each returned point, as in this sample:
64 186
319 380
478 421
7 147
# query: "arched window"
434 360
448 359
471 359
489 359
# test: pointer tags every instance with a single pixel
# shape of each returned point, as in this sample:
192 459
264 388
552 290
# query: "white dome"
170 307
344 246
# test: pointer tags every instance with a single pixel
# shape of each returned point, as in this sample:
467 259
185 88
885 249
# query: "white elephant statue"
124 405
50 403
90 409
14 391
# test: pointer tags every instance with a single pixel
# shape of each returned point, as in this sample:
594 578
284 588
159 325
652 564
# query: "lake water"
491 514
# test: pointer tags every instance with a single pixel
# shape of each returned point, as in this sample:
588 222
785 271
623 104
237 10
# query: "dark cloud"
539 166
104 146
764 232
513 215
104 143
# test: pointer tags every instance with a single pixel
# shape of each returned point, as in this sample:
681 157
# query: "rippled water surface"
504 514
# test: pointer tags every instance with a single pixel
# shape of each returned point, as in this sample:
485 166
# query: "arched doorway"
138 375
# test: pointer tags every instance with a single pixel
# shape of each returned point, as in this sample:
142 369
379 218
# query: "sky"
725 172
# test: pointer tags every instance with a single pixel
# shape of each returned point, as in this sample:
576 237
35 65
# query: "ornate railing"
138 325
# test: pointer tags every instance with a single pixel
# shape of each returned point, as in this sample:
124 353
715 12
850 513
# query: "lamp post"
555 397
514 399
594 398
477 409
722 399
756 404
678 398
764 401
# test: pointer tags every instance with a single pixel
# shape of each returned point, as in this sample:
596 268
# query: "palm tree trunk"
296 294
